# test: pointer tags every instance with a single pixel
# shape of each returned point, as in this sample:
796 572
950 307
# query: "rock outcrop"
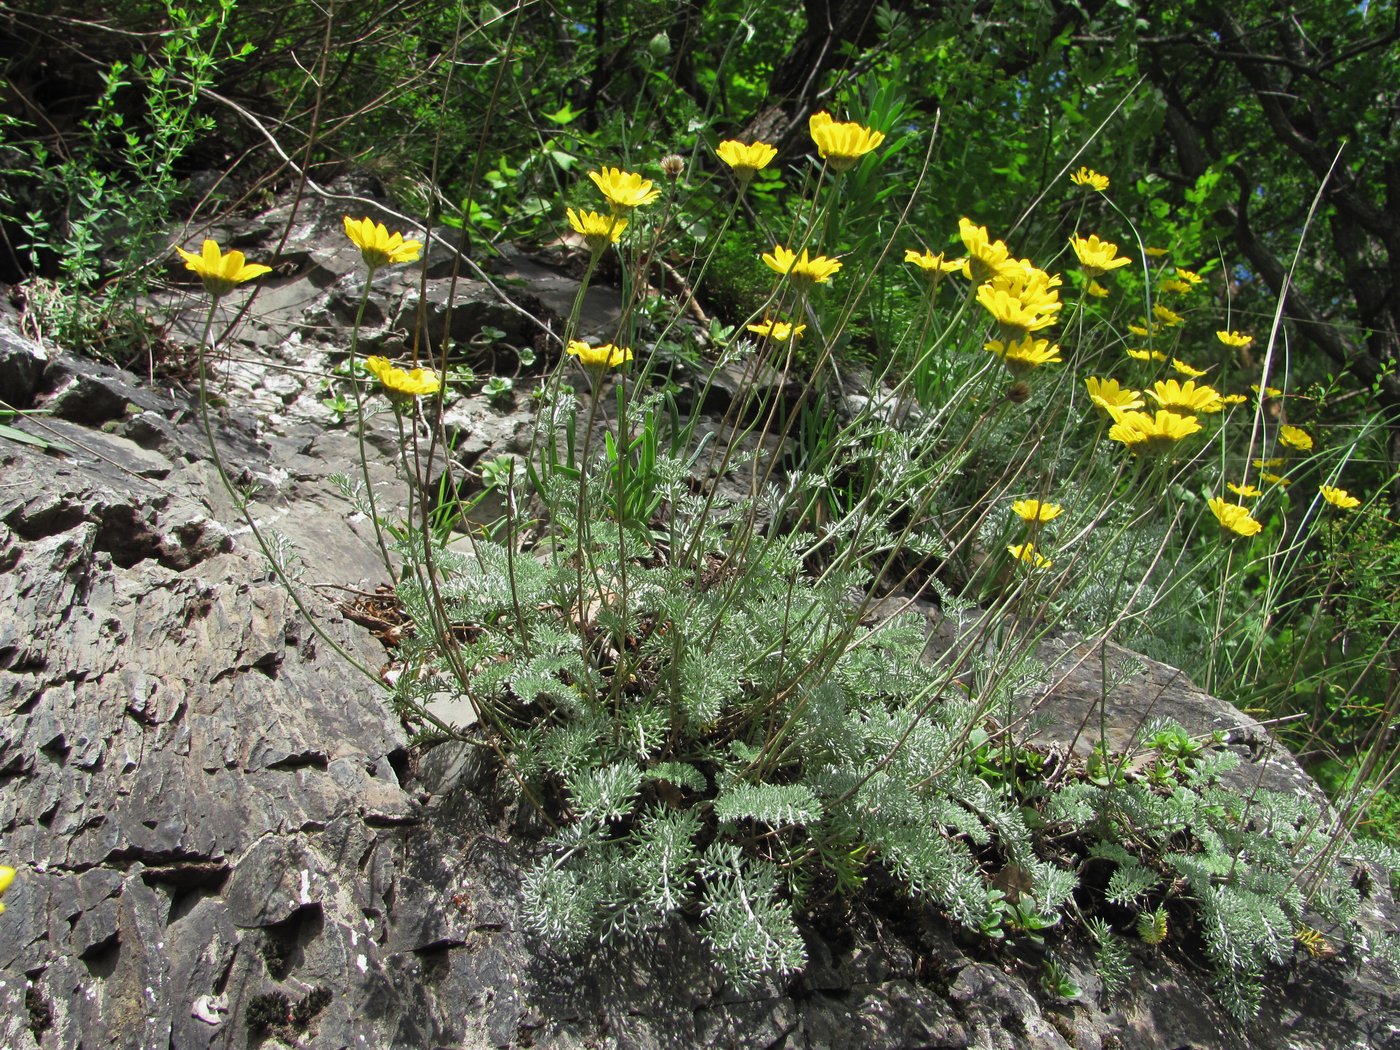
226 839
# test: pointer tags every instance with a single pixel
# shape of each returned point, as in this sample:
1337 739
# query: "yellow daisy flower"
605 356
1032 510
1233 517
1097 257
1185 397
1169 318
1182 368
778 331
1238 339
934 266
985 257
802 270
1156 253
1275 479
1090 179
1175 286
1339 497
221 273
842 144
1024 355
1026 552
1109 398
378 247
1097 290
596 229
745 160
624 190
1245 491
1189 276
416 382
1295 437
1145 355
1143 432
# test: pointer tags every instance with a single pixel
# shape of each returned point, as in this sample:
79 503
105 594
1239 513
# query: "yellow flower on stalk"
1097 257
1182 368
1026 552
624 190
1245 491
1156 253
1339 497
1169 318
985 257
1145 433
1265 464
605 356
1022 298
1090 179
415 382
1238 339
842 144
1097 290
7 876
745 160
803 270
1185 397
1024 355
1275 479
1189 276
1032 510
1145 355
1268 391
596 229
1233 517
221 273
778 331
933 266
378 246
1295 437
1233 399
1142 329
1175 286
1109 398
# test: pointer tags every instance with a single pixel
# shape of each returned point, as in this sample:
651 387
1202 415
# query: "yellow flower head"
1097 257
1186 397
1026 552
1245 491
1175 286
801 269
842 144
1189 276
1143 433
1024 355
1266 464
605 356
624 190
745 160
1156 253
1145 355
1295 437
1142 329
378 246
403 383
778 331
221 273
1182 368
1339 497
1275 479
985 257
1238 339
1022 298
1233 517
1169 318
933 266
1032 510
7 876
1097 290
1233 399
1109 398
1090 179
596 229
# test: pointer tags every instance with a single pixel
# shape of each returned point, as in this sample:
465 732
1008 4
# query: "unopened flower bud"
672 165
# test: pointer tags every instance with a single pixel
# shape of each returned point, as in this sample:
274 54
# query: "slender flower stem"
360 432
